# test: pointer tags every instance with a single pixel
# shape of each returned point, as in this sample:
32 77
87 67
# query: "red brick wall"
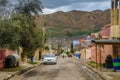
105 31
8 52
3 55
1 64
108 50
94 53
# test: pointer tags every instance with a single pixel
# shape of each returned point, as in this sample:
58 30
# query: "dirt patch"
115 77
11 69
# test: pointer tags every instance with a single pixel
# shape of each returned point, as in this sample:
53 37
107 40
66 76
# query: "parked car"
57 54
49 59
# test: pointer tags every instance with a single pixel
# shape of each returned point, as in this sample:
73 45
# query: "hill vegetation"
74 23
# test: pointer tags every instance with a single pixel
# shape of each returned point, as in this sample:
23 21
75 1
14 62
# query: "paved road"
65 69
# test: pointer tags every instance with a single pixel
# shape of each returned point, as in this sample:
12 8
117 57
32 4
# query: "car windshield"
49 55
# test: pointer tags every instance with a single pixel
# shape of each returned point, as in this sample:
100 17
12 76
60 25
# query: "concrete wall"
88 53
36 54
83 54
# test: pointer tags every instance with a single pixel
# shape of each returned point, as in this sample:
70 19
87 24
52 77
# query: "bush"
33 63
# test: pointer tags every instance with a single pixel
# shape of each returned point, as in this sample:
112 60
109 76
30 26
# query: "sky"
51 6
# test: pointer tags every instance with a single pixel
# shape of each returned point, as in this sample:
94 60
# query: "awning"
106 41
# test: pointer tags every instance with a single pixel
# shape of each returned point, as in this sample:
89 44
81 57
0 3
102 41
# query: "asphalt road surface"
65 69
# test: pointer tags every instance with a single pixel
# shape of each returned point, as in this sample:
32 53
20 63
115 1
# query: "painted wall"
88 53
83 53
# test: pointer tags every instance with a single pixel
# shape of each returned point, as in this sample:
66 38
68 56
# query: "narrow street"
65 69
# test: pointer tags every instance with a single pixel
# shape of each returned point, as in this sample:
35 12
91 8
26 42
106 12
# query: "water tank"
17 57
12 60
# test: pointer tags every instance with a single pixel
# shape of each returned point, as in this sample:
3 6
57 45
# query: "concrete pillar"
115 26
116 12
112 12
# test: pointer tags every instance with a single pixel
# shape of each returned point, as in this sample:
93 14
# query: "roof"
106 26
106 41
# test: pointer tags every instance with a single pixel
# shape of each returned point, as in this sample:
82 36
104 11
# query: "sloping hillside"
74 23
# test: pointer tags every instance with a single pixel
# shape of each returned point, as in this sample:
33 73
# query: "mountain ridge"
73 23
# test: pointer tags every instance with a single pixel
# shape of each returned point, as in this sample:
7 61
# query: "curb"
106 77
102 75
95 71
21 71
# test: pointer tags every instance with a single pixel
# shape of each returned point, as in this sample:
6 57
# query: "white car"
49 59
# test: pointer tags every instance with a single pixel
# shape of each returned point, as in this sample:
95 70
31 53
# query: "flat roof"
106 41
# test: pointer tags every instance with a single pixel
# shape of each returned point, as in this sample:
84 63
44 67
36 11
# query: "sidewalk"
110 74
107 74
5 75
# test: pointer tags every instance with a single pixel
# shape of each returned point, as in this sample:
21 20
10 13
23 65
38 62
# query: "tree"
19 29
29 7
9 35
9 32
30 36
6 8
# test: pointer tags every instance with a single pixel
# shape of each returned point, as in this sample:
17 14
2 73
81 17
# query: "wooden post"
96 56
100 56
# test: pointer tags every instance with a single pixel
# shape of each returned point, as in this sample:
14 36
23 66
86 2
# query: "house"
85 50
101 51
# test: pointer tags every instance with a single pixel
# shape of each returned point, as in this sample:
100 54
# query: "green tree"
9 35
30 36
19 29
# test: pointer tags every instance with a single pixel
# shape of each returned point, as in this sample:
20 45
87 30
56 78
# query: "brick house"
100 54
